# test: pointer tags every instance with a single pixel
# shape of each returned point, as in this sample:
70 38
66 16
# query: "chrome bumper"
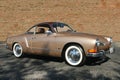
101 53
6 46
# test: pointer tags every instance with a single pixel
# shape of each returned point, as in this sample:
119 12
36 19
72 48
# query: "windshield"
61 27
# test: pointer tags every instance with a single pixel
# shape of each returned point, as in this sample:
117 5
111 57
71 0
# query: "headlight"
109 39
98 43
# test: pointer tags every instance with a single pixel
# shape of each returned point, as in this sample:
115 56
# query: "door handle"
33 37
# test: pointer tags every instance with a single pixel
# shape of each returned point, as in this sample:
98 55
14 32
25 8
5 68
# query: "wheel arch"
13 44
67 45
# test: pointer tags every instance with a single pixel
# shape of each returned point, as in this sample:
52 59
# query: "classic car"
59 40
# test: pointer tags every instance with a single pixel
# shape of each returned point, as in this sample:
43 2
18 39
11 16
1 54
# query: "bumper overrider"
6 46
99 53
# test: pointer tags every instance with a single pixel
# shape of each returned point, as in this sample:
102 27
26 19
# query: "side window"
39 30
42 30
31 31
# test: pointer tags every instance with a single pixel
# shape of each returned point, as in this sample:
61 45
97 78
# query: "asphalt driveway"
49 68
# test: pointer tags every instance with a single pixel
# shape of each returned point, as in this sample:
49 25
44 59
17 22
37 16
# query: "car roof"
51 25
48 23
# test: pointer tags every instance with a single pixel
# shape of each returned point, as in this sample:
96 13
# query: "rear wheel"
74 55
17 50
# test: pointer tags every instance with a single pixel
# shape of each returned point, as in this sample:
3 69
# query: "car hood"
85 35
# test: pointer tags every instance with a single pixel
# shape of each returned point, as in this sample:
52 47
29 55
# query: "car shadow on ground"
96 61
45 58
90 61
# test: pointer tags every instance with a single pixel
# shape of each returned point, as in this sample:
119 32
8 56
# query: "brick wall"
92 16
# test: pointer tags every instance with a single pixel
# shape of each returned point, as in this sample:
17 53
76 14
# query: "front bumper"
101 53
6 46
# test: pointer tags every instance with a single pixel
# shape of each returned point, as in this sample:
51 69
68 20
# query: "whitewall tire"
74 55
17 50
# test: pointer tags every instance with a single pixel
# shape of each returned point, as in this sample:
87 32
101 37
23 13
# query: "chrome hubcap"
18 49
73 55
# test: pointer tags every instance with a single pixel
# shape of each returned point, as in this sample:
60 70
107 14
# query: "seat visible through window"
41 30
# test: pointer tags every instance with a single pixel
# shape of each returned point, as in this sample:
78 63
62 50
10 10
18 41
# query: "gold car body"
53 43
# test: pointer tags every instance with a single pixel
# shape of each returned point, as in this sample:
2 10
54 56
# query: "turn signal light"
92 50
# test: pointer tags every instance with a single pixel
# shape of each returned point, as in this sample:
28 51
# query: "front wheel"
17 50
74 55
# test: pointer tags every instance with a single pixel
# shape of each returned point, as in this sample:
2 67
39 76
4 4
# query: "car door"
44 44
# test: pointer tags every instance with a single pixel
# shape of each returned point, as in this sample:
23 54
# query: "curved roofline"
49 23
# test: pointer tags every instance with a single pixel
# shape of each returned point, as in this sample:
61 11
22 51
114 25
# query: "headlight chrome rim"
98 43
109 39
